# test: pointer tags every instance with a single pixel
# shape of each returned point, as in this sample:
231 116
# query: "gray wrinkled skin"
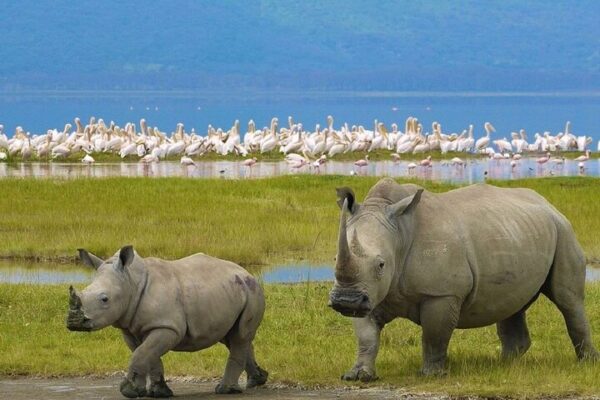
467 258
183 305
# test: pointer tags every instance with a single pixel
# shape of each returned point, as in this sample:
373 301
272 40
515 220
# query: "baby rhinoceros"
182 305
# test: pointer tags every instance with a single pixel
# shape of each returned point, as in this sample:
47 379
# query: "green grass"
251 222
302 341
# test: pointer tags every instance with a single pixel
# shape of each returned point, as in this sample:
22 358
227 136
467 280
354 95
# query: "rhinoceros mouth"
78 322
350 303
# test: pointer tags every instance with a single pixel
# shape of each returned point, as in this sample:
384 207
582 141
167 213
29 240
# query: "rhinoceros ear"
90 259
345 193
405 205
126 256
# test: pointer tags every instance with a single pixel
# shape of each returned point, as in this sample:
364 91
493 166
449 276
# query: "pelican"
482 143
584 157
88 159
457 161
185 160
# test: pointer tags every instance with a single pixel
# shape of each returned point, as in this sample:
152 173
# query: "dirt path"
107 389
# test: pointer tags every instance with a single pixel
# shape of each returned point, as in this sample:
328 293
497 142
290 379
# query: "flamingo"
425 162
363 162
543 160
250 162
411 166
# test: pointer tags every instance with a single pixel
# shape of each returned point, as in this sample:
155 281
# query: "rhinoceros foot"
360 374
434 369
160 390
228 389
258 379
129 389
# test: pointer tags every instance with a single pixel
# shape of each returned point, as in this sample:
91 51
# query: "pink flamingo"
250 162
426 162
543 160
362 163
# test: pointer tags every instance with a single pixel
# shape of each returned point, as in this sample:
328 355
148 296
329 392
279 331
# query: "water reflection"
472 171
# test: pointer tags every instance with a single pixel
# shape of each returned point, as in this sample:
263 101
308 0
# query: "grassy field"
302 341
252 222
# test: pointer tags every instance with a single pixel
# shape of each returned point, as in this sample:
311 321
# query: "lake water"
38 111
473 171
57 274
40 274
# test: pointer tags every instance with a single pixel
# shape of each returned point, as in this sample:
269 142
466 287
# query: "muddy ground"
107 389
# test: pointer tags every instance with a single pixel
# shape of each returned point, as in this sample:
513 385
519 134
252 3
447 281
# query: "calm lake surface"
473 171
535 112
59 274
47 274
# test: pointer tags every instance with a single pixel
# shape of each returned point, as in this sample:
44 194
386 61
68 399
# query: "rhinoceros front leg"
145 359
367 332
439 317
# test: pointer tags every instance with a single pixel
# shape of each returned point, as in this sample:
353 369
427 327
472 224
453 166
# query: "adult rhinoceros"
467 258
182 305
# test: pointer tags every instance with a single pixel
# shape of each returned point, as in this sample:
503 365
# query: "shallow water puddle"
68 274
38 274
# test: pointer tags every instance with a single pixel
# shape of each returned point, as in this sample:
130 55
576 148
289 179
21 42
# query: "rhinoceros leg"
565 287
572 309
145 357
236 363
439 317
514 335
256 375
367 332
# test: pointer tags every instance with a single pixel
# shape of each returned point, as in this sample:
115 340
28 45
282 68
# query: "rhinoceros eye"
104 298
381 265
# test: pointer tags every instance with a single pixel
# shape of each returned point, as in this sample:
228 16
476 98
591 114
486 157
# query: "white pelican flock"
298 145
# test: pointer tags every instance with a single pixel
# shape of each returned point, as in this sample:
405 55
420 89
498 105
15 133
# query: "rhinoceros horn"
343 269
74 300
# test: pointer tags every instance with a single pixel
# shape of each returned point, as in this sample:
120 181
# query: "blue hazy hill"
335 44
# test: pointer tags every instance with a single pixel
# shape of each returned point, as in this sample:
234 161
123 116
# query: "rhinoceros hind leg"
257 379
160 389
228 389
514 335
256 375
439 317
577 325
130 390
565 287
